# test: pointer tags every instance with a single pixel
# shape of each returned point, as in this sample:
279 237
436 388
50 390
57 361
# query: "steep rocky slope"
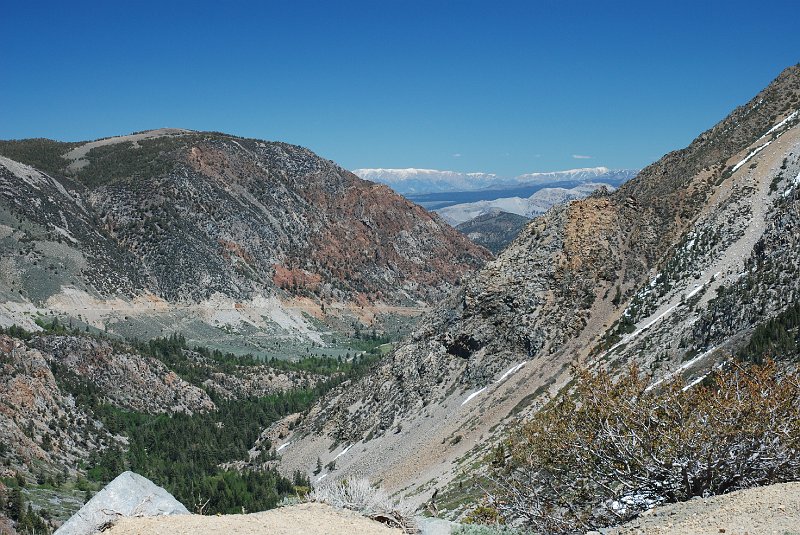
158 219
493 230
671 270
41 427
125 378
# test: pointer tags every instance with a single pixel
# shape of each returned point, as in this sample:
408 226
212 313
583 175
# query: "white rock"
128 495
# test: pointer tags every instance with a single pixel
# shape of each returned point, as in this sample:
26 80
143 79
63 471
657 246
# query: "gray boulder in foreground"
128 495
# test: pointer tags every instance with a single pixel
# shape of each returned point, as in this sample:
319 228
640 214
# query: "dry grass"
371 501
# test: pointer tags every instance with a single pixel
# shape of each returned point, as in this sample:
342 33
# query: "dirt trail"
303 519
765 510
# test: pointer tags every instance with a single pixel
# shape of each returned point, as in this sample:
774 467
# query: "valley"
672 271
249 325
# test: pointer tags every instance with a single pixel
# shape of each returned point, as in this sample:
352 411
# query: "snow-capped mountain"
417 181
413 181
597 174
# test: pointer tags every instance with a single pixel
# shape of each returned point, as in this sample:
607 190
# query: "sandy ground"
303 519
760 511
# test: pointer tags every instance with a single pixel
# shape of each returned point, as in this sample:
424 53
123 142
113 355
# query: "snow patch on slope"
511 371
472 396
750 155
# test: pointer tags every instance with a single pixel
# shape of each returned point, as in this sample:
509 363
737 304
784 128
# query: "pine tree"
319 467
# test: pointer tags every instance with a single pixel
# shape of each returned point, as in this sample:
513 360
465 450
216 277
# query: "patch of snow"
510 372
640 330
792 185
696 381
780 124
469 398
320 478
694 292
282 446
752 153
681 368
343 452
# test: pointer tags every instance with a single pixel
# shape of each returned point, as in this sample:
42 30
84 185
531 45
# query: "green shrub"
478 529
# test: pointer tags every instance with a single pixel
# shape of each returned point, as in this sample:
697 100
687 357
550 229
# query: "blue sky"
506 87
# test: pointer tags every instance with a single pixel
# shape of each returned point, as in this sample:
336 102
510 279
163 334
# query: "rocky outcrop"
129 495
257 381
40 424
125 378
494 230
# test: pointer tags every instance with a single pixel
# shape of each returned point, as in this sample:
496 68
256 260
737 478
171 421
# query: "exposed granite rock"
128 495
258 381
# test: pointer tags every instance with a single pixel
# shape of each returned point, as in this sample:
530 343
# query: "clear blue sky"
506 87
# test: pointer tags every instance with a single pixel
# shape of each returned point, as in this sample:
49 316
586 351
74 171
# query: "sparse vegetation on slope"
604 451
777 338
43 154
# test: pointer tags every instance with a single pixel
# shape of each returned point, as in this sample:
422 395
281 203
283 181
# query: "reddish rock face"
379 239
344 232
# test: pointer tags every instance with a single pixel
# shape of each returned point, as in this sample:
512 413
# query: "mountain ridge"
174 216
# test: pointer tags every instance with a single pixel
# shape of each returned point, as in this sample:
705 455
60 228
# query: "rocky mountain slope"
41 427
125 378
493 230
672 270
149 222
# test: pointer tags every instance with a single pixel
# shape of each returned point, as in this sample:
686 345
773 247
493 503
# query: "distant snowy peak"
411 180
421 181
586 174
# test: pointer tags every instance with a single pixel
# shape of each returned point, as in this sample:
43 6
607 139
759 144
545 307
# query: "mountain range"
462 197
528 207
414 182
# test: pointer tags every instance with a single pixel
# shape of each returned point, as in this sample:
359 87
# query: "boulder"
128 495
